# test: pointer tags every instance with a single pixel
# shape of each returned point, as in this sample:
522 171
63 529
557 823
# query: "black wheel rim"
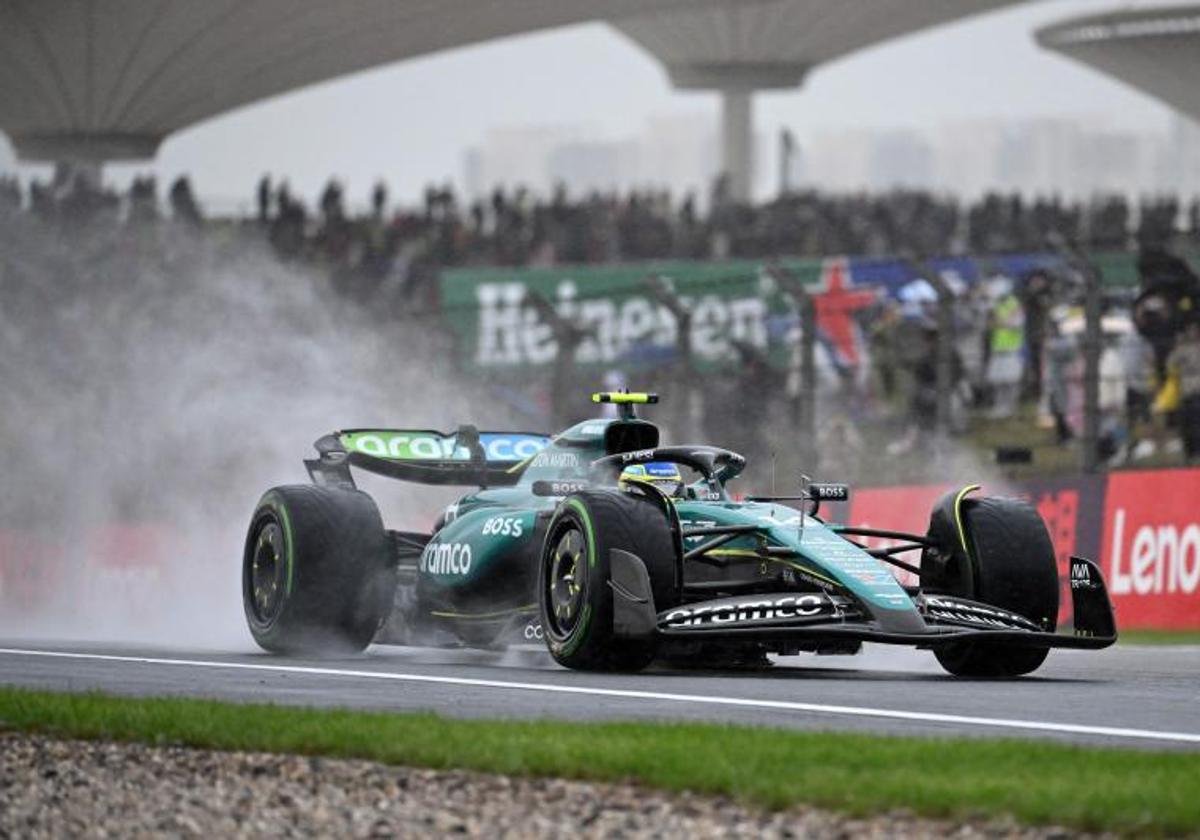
566 580
267 572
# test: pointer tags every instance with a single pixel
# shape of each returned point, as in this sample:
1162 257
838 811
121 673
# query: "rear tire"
1009 563
574 597
317 573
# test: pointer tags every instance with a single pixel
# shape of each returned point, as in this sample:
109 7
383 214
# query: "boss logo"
829 492
558 488
503 526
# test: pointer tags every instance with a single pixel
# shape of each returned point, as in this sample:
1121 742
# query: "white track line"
744 702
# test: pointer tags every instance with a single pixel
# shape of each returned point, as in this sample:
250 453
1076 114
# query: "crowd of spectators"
1017 354
1017 340
74 198
515 227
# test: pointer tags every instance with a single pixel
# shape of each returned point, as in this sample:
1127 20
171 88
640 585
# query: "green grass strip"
1131 791
1159 637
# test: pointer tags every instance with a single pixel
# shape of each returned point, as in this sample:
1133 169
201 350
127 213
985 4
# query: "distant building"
1179 164
678 153
585 166
511 157
1071 157
901 159
838 160
965 154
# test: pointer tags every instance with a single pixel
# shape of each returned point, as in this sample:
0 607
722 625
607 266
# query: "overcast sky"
411 122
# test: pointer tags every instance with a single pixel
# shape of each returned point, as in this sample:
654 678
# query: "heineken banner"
499 326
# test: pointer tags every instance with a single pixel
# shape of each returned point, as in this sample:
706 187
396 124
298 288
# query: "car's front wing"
787 617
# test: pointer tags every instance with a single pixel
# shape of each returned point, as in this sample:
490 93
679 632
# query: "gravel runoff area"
59 788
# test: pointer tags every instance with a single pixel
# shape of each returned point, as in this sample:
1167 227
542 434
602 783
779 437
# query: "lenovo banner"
1142 528
1152 548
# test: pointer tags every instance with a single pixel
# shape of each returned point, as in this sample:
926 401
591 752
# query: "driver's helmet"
664 476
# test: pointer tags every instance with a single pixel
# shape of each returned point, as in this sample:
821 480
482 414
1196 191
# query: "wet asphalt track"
1140 697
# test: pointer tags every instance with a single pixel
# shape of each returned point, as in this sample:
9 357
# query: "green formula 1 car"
613 551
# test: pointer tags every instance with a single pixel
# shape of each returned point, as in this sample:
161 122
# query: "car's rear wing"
466 457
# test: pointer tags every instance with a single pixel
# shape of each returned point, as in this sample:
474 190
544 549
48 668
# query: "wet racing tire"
317 574
1010 564
574 596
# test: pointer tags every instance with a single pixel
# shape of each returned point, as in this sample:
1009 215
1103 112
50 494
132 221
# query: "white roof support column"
737 84
737 142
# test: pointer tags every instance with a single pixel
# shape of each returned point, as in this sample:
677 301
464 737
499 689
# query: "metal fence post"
1092 345
804 401
568 335
1093 338
945 348
665 296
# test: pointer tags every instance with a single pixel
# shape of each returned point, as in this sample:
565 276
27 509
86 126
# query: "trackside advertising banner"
1143 528
1152 547
121 565
499 329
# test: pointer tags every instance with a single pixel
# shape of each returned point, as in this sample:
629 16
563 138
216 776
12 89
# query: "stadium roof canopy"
1155 50
88 80
774 44
739 48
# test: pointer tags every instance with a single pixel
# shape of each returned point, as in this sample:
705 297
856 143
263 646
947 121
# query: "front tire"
1009 562
574 597
317 571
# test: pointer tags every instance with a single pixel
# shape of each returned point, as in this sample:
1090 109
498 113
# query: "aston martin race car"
614 551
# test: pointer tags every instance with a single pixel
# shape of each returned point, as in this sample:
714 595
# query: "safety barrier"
1143 527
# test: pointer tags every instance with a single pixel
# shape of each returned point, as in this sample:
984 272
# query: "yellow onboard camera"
624 398
626 401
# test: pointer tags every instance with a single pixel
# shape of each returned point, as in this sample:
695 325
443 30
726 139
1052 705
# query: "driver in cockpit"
662 475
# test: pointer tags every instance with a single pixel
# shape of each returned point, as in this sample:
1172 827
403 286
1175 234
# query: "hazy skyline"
410 123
